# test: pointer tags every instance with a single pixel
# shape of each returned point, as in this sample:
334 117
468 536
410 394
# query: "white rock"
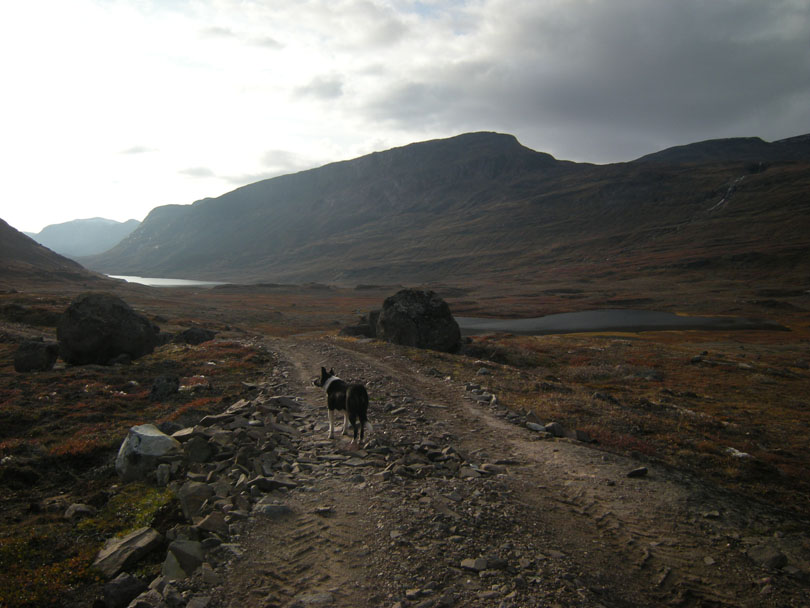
143 449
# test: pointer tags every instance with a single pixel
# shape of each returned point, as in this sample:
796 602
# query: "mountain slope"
480 207
24 261
735 149
84 237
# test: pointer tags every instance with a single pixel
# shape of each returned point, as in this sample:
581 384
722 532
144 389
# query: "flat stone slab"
119 554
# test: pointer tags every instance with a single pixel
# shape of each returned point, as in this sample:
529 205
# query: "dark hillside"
481 207
24 261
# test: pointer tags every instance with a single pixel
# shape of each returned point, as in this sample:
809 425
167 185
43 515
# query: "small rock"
478 564
164 387
194 336
768 556
192 495
120 591
639 472
582 436
182 559
533 426
313 599
272 510
35 356
209 576
148 599
163 474
215 522
198 449
78 511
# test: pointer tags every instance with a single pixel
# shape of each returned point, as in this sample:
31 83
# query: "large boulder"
35 356
144 448
414 317
98 327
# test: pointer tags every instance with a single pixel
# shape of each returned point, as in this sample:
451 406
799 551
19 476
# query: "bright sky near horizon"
113 107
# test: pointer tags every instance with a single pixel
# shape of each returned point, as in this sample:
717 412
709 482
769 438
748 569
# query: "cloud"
217 32
635 74
138 150
321 87
268 43
275 162
201 172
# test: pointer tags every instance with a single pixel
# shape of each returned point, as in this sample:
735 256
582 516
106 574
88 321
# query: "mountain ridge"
480 205
83 237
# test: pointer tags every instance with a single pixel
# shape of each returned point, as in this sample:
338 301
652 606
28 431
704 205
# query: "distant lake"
154 282
608 320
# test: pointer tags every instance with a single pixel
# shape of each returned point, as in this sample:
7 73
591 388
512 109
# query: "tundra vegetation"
729 407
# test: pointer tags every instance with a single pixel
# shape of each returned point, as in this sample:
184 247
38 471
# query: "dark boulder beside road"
98 327
414 317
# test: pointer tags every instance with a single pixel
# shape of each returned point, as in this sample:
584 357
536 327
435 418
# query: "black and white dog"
352 399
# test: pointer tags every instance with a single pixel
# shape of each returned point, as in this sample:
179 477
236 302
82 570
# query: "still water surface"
608 320
154 282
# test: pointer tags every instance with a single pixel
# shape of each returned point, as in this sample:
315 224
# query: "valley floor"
456 501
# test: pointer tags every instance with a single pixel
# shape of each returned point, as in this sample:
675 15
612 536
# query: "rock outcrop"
35 356
98 328
414 317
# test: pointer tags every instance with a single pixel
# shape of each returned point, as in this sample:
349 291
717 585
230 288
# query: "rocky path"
455 502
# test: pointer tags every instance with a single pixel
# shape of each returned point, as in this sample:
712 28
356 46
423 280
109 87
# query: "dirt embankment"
453 504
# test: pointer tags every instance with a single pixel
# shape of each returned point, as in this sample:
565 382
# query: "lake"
608 320
155 282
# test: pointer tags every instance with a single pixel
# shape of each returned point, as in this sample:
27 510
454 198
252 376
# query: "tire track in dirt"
572 527
673 552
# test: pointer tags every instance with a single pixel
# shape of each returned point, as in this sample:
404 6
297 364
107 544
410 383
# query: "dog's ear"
323 370
332 372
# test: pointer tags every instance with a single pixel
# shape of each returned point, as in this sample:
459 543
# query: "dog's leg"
345 430
354 431
331 423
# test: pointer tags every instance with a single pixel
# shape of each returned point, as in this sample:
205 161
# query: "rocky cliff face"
482 206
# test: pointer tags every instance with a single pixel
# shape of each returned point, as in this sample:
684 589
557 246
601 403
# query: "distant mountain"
736 149
481 206
84 237
24 261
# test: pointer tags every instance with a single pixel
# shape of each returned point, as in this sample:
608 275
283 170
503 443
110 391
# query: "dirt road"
454 504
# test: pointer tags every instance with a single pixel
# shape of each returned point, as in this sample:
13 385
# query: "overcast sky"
111 108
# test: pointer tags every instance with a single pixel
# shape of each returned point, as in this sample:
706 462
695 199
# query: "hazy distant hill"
23 261
481 206
84 237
